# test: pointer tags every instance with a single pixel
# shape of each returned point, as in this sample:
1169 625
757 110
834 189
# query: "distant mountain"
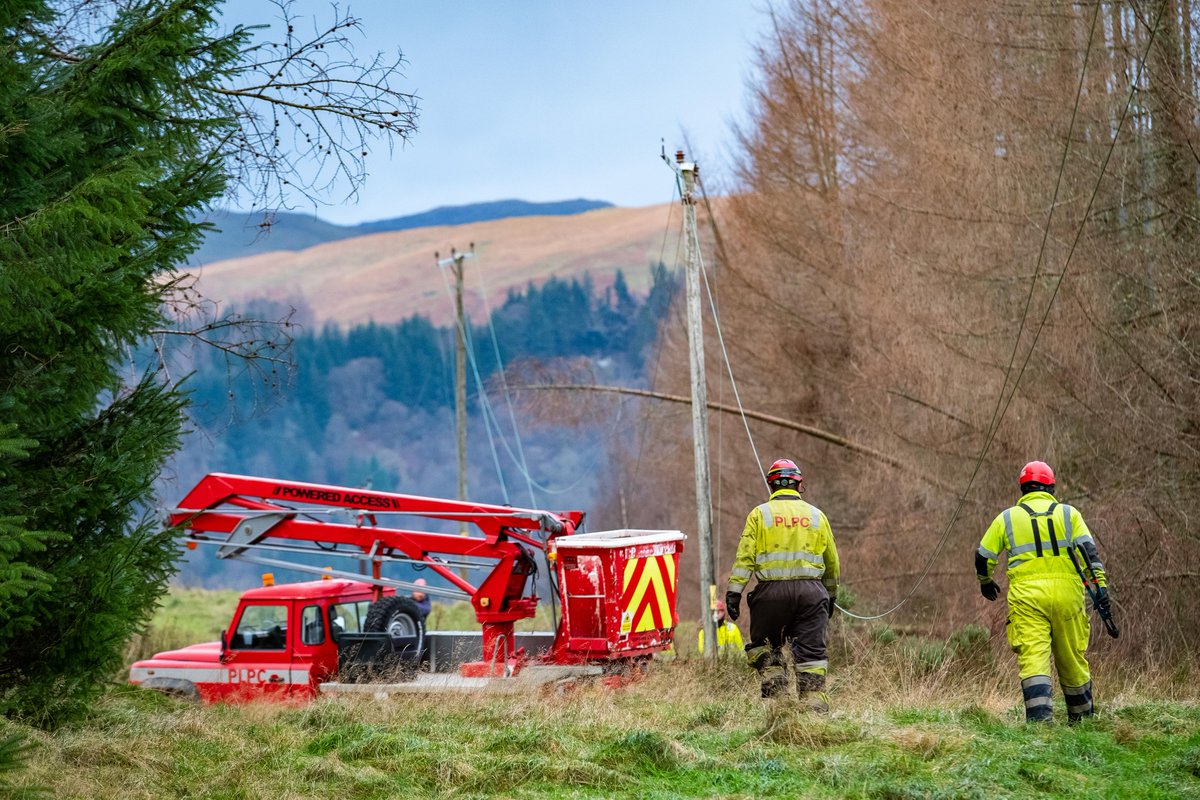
390 276
243 234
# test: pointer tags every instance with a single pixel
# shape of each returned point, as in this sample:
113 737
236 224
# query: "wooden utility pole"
688 172
455 263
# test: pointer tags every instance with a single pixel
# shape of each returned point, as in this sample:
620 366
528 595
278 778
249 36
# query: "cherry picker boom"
616 588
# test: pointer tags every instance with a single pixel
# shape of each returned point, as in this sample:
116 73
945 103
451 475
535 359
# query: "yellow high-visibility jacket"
729 640
1047 533
785 538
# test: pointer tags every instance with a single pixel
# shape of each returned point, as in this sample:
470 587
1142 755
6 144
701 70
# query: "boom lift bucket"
618 593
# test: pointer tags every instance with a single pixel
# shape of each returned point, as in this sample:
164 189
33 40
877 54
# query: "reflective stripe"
983 551
1025 548
1067 523
800 555
803 665
815 514
765 510
1012 544
784 573
1079 699
739 572
1082 708
1036 690
1082 539
754 655
250 675
197 674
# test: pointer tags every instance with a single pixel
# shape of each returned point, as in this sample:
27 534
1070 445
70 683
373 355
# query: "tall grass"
910 718
185 616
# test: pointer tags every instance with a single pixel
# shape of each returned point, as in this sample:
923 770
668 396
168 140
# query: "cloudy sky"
550 99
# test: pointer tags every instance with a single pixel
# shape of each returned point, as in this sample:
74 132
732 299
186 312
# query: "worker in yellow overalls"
788 547
729 638
1048 544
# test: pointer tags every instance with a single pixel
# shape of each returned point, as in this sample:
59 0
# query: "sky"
541 100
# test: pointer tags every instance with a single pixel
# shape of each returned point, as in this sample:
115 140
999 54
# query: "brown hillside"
387 277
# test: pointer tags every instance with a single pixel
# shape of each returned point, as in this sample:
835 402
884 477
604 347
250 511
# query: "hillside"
240 234
387 277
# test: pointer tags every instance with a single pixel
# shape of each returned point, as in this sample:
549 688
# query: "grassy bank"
911 718
686 730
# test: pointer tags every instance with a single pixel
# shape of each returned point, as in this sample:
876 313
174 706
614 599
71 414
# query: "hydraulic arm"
245 517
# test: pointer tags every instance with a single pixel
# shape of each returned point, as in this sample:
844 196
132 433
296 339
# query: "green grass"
911 718
687 729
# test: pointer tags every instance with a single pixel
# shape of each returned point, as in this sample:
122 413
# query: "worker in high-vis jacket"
1048 545
788 547
729 638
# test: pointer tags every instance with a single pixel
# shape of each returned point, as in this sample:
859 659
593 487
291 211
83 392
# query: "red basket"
618 591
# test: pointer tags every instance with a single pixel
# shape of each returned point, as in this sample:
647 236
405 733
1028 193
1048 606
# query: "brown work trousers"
793 613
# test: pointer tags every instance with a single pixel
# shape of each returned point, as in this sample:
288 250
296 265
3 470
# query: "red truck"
615 590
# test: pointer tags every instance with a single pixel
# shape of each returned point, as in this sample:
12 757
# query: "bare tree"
305 112
964 237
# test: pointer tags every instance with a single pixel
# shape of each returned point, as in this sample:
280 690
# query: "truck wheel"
400 618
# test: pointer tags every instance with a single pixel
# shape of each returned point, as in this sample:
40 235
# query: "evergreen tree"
99 184
119 124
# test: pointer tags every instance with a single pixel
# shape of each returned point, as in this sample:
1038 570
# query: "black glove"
990 590
733 605
1102 603
832 604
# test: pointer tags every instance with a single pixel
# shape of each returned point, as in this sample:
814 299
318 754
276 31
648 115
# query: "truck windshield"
348 617
261 628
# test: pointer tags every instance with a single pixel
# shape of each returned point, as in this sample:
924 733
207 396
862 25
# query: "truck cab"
282 642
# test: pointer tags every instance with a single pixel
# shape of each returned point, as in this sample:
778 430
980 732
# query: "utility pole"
455 263
688 173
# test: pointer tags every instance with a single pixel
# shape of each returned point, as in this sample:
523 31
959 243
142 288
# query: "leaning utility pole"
455 262
688 172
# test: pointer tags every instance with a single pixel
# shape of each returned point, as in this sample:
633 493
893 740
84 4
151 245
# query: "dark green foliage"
374 373
14 750
18 544
105 157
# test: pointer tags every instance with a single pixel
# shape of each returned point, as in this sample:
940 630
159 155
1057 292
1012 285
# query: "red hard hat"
1037 472
782 469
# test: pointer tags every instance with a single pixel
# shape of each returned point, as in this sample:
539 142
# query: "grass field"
910 719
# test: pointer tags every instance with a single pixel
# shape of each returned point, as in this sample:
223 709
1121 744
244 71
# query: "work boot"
769 664
774 680
1079 702
810 687
1037 690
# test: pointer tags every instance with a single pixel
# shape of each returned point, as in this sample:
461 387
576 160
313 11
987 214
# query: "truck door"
258 659
314 657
